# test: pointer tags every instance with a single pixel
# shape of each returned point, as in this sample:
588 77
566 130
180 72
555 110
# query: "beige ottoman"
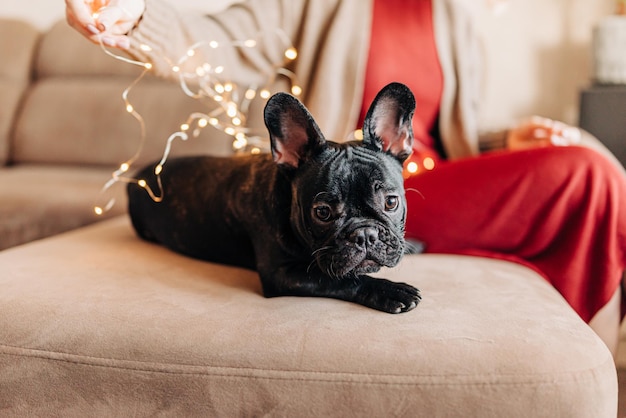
96 322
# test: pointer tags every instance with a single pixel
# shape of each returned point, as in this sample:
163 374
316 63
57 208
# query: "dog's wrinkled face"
349 209
348 206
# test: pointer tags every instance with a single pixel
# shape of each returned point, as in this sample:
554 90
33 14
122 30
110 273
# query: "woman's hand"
104 20
542 132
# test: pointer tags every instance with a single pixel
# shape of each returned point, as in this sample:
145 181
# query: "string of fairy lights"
229 110
230 104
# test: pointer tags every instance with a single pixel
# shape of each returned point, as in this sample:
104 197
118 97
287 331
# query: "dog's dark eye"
391 203
323 213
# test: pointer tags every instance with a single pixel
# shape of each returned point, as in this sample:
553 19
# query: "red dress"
559 210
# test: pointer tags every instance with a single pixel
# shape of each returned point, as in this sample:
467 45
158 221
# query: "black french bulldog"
313 218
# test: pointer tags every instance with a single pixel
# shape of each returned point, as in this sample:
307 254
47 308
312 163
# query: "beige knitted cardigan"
332 39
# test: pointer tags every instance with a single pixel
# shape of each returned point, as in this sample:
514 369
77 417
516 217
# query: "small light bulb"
202 122
184 127
229 131
124 167
291 53
250 94
142 183
231 110
129 108
213 121
145 48
412 167
214 44
191 53
429 163
175 69
239 144
296 90
358 134
219 69
98 210
158 169
250 43
265 94
236 121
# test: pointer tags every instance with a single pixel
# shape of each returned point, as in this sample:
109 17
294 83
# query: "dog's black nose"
364 237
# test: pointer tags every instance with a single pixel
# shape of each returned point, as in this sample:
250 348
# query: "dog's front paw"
388 296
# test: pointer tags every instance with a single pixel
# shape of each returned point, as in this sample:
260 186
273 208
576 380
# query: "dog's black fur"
313 218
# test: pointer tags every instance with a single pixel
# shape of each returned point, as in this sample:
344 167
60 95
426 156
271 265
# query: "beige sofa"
96 322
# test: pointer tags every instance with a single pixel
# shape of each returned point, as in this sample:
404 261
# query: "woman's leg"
561 210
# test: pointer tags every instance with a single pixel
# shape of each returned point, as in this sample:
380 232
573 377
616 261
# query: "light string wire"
229 115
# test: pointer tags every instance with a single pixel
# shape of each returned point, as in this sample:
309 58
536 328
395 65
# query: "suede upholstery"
96 322
129 327
64 128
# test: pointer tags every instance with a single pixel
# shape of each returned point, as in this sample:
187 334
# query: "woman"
560 210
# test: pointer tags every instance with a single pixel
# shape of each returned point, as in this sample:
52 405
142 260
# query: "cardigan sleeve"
331 37
170 33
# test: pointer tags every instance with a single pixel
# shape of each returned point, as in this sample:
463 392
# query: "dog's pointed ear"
388 123
294 135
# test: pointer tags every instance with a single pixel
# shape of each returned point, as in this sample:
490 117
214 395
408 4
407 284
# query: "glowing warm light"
291 53
429 163
412 167
250 94
229 115
358 134
231 110
239 144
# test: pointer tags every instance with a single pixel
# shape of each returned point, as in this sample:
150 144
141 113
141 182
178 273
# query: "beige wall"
538 51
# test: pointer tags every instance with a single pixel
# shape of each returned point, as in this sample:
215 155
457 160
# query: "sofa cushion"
96 322
43 200
18 41
74 112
